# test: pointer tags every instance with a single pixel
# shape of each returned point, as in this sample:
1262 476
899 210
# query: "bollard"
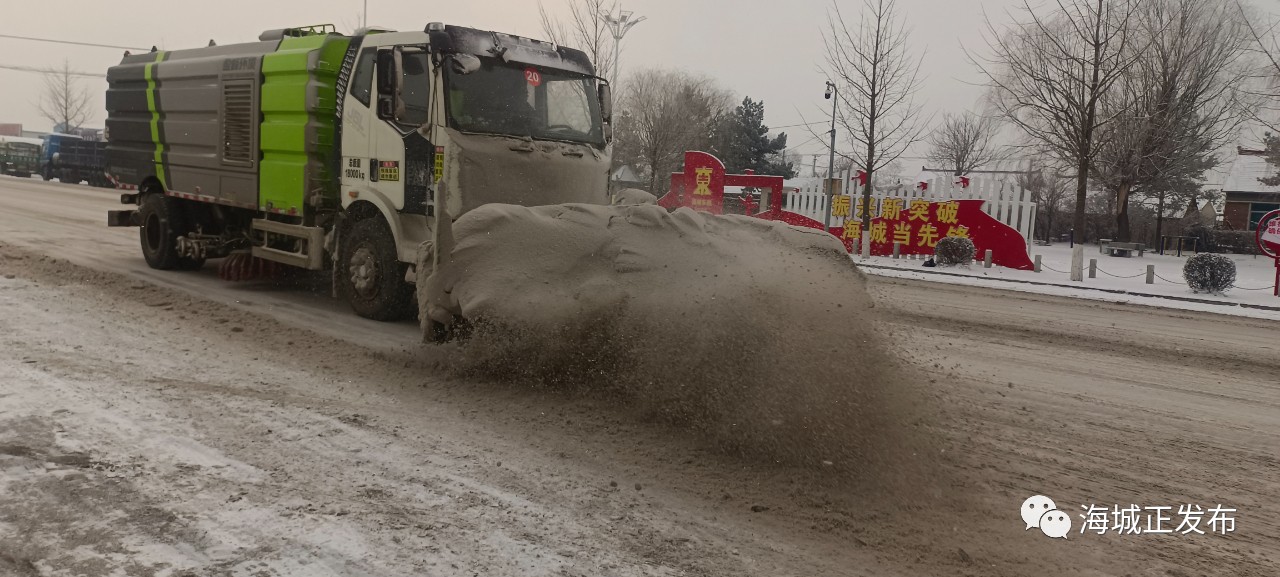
1077 263
986 259
1151 274
1037 263
897 250
1093 268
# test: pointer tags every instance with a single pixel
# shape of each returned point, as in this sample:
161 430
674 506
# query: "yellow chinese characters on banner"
928 235
879 232
852 229
919 210
862 207
891 208
958 232
948 212
702 194
840 205
902 233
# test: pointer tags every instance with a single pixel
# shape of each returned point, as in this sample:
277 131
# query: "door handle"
522 148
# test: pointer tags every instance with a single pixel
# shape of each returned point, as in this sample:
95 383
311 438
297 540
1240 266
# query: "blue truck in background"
72 159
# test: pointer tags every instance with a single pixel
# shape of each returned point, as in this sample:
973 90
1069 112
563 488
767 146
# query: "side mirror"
390 79
386 107
386 72
606 103
397 56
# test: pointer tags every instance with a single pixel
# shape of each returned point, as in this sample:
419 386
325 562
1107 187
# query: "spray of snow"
757 334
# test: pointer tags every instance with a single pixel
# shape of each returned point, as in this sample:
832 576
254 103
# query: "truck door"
358 116
403 154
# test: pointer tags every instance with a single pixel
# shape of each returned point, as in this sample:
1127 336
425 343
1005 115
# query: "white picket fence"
1006 202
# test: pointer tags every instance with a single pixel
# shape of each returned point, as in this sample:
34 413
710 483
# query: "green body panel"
155 118
298 136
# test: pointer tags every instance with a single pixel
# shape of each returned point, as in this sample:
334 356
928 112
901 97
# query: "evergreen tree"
742 142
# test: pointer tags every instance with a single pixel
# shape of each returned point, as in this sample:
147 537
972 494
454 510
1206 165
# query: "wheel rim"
363 269
152 231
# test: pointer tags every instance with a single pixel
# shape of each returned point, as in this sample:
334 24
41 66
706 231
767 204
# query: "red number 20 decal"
533 77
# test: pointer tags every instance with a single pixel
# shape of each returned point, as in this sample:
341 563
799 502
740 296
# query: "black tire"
161 226
370 277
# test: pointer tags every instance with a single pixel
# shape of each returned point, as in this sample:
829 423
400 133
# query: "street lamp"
832 95
619 26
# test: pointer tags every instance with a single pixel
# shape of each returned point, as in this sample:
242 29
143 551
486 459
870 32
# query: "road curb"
1096 289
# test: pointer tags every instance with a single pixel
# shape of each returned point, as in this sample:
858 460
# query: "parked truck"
319 150
20 156
72 159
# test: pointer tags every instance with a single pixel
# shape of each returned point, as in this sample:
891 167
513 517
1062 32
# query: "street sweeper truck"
348 153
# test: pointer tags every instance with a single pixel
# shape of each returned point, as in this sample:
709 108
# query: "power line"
49 71
72 42
795 125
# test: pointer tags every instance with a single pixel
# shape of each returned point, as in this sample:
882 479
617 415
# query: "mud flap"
120 218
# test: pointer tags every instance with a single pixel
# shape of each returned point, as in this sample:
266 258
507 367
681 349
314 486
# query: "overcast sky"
766 49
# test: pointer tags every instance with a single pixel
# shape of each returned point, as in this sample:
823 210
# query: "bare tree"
664 113
876 79
586 30
1181 101
1051 191
64 101
1050 74
964 142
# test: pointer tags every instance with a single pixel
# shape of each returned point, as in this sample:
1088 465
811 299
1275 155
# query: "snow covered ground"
1118 279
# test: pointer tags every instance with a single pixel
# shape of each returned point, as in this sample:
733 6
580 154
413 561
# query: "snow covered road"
171 424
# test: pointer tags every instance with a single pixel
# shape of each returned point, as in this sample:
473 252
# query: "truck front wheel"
370 276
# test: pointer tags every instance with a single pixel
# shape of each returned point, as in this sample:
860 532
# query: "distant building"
626 177
1246 198
10 129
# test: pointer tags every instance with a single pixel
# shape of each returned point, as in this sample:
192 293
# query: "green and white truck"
348 153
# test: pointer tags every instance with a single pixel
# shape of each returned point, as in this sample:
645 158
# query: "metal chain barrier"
1047 267
1118 276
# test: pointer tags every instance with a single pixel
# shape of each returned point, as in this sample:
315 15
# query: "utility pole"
619 26
833 95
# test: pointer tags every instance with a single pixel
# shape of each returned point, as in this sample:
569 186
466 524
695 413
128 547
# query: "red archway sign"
1268 237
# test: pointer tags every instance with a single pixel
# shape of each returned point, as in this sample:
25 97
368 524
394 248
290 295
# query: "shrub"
954 250
1209 273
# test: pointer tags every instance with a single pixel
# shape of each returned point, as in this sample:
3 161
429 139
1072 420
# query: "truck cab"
437 123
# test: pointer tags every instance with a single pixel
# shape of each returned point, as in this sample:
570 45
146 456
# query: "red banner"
916 225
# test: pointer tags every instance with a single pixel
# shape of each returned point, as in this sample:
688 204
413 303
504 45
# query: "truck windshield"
521 100
22 148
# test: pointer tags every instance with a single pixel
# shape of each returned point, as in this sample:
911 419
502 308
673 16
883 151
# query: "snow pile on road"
753 332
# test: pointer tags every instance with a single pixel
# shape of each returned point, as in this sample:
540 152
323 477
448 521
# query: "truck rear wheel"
161 227
370 276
